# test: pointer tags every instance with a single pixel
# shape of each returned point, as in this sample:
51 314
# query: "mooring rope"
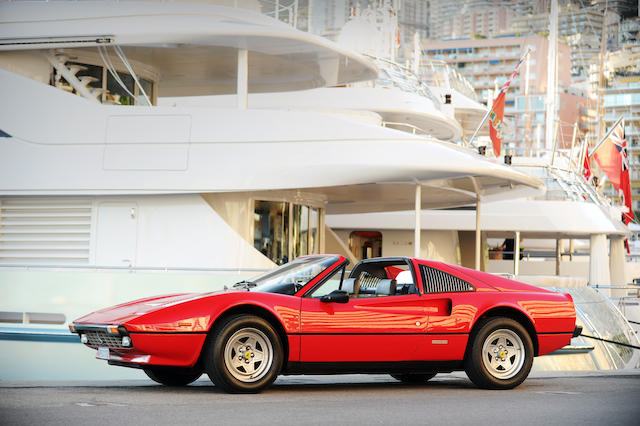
610 341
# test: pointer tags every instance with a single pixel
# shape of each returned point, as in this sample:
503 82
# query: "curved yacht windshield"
291 277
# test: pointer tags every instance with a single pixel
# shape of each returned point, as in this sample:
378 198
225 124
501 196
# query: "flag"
586 167
611 155
495 123
496 116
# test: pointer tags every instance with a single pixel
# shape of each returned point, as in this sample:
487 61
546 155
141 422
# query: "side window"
329 285
436 281
380 282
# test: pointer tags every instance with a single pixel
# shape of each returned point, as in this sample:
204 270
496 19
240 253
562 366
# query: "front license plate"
103 353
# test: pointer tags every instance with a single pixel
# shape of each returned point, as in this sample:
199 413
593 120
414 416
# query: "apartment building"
622 99
468 18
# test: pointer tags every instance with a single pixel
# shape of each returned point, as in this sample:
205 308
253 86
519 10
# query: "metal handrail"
96 268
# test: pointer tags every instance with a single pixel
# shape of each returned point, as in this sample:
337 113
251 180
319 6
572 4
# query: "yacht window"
116 94
105 87
284 231
314 222
271 230
300 230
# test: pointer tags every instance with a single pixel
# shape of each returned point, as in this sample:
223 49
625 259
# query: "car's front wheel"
244 354
414 378
501 354
172 376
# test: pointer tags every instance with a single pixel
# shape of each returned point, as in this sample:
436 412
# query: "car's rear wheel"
172 376
244 354
414 377
501 354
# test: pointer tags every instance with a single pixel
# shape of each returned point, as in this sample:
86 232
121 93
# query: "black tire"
414 378
172 376
244 354
500 354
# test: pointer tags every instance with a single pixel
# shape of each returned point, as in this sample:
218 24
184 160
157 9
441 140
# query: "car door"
372 328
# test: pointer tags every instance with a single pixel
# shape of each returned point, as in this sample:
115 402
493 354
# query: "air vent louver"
436 281
44 231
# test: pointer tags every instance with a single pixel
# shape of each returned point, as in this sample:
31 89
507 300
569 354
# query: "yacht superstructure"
102 187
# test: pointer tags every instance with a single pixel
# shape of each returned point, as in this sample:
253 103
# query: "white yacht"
106 196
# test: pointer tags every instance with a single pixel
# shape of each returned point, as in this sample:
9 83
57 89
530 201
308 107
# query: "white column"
516 254
559 250
617 265
599 261
478 234
418 225
572 249
243 79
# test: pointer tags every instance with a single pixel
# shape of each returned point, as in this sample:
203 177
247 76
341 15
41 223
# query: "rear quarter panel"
552 314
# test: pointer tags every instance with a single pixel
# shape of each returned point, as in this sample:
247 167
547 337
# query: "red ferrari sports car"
410 318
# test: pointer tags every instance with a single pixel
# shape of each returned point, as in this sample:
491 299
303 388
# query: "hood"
124 312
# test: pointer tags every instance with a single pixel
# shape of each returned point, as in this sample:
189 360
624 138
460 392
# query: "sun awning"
191 46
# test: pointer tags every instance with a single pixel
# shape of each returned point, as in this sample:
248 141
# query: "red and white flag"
586 167
495 123
611 155
496 116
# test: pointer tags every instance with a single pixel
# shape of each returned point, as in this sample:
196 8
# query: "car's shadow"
324 384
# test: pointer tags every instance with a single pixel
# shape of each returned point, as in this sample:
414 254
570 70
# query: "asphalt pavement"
448 399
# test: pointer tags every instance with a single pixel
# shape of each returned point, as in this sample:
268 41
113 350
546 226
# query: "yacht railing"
103 268
527 255
396 75
440 74
563 182
282 10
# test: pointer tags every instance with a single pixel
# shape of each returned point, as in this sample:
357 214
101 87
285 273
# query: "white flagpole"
606 136
583 153
484 119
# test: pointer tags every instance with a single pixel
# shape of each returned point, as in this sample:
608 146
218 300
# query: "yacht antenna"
416 53
551 76
601 75
573 143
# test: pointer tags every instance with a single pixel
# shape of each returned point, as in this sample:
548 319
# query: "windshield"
291 277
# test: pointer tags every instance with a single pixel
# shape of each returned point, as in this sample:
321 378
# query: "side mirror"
336 296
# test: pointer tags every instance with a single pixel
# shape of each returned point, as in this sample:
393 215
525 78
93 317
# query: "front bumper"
146 348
